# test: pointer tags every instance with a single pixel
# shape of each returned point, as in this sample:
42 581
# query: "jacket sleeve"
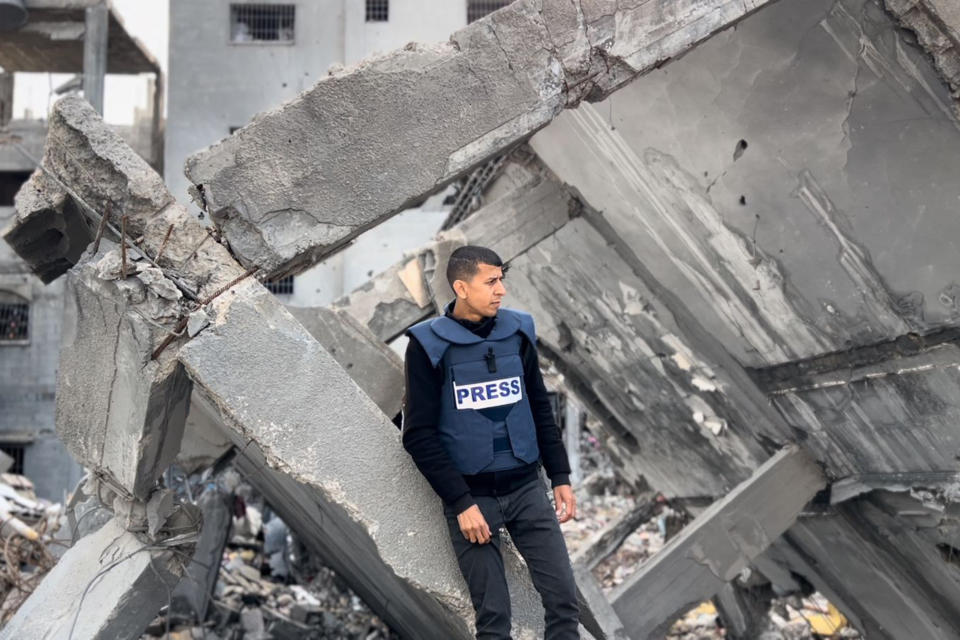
421 412
552 452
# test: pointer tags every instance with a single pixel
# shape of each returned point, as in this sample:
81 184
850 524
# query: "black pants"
532 522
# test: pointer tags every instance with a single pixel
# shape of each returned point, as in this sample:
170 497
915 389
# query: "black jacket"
421 412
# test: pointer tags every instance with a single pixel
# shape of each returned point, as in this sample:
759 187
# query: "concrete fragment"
331 464
718 544
49 231
300 181
118 410
110 584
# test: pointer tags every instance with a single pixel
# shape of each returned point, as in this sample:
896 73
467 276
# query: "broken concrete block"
331 464
370 362
118 410
718 544
110 584
301 180
49 231
93 167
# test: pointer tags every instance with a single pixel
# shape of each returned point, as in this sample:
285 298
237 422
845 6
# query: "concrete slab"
718 544
300 181
781 248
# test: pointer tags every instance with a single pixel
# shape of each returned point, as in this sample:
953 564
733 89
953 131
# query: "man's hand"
566 503
473 525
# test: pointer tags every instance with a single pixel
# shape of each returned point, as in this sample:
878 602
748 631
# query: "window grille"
476 9
378 10
282 286
15 451
261 22
14 318
10 183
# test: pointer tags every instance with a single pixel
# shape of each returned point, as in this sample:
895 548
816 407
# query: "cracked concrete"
333 172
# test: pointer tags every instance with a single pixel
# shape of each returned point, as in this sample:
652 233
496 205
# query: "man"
477 421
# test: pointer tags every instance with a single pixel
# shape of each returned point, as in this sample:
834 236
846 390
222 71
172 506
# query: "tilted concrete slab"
337 467
110 584
718 544
300 181
782 248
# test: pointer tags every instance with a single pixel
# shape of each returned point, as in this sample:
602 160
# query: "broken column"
300 181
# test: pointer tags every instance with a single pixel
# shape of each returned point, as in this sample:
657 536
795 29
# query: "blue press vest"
471 389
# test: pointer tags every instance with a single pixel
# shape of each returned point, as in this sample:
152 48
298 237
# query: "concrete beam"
331 463
110 584
718 544
300 181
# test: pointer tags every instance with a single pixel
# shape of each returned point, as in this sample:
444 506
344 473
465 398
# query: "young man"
477 421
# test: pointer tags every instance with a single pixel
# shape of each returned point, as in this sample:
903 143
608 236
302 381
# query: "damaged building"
732 221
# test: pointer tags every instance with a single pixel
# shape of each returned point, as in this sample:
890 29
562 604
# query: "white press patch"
483 395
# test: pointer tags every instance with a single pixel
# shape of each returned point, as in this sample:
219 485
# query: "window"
261 22
282 286
10 183
14 317
15 451
476 9
378 10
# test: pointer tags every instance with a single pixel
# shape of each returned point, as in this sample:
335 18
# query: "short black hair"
463 262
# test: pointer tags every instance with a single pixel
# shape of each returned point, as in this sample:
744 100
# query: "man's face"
484 291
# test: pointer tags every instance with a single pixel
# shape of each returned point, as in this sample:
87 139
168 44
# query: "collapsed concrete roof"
52 41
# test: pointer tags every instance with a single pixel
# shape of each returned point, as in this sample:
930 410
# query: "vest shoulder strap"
434 345
432 334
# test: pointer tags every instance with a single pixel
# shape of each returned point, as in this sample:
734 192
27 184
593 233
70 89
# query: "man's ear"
460 288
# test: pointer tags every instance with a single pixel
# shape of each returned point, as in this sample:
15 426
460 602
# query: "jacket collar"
505 325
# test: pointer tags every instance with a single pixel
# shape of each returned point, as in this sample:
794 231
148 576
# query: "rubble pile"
27 529
266 584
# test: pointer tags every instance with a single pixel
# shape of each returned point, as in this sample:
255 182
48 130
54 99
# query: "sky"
147 20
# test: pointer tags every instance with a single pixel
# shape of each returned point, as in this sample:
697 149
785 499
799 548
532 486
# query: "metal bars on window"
14 321
378 10
15 451
281 286
476 9
262 22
